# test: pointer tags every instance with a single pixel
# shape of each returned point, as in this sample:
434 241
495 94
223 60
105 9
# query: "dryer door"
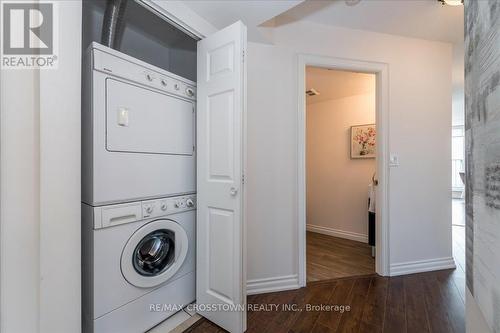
140 120
154 253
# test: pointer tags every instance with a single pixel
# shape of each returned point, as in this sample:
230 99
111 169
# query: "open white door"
220 253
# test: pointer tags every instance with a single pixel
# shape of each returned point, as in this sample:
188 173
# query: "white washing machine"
138 263
138 130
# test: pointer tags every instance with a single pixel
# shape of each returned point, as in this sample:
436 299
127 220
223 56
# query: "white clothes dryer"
138 263
138 130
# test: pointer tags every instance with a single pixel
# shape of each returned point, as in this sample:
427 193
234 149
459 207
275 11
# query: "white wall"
337 185
271 164
420 114
457 75
458 103
19 205
60 194
40 190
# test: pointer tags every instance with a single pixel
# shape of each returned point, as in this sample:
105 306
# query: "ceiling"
334 84
425 19
221 13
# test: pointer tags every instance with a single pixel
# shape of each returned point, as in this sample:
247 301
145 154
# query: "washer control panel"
112 215
166 206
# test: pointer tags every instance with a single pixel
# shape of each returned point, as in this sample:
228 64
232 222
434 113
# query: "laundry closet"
162 169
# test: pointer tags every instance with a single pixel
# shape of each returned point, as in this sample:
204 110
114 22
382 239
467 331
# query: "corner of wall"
474 319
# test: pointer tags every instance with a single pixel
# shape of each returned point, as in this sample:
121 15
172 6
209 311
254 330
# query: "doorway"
351 241
340 173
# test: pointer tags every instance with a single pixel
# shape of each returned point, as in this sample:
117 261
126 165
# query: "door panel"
221 245
220 136
220 60
220 280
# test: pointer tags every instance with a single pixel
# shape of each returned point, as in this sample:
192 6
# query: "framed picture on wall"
363 141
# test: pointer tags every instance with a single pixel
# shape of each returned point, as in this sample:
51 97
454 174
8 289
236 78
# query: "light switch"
394 160
123 117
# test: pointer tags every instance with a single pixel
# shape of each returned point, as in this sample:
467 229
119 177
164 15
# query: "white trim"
269 285
337 233
382 120
420 266
180 16
244 187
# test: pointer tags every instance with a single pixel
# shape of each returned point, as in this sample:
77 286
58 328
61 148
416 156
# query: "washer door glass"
155 253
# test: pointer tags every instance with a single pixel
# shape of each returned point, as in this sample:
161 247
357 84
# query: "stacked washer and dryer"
138 192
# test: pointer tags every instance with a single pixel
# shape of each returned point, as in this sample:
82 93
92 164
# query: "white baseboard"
269 285
422 266
338 233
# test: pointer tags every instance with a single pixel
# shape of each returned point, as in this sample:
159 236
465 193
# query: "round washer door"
154 253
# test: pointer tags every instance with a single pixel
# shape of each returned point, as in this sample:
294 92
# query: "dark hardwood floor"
431 302
332 257
418 303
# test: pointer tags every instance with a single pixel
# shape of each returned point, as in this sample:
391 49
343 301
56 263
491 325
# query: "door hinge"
243 56
243 179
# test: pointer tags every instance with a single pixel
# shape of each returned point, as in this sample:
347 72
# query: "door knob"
233 191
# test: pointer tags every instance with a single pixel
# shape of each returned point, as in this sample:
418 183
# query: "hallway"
331 257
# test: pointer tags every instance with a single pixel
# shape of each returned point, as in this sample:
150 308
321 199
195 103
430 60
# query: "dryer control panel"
108 216
121 65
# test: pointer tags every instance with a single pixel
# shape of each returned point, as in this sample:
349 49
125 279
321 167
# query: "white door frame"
175 13
381 70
